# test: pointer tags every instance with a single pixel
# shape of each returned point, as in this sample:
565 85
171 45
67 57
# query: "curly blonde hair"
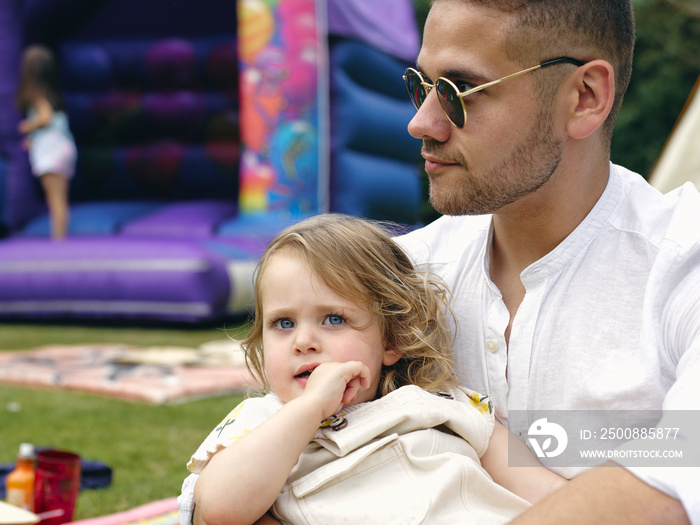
358 260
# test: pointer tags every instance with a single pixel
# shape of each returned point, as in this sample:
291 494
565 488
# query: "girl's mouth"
305 371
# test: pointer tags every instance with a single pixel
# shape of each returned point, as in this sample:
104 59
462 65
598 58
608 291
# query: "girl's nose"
306 340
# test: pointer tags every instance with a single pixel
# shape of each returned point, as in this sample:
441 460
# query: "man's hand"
608 494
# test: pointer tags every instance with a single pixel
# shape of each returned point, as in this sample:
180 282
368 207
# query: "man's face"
506 150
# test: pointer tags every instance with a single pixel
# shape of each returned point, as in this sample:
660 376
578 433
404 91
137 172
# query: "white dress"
408 457
52 148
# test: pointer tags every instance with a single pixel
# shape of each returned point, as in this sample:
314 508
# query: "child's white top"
408 457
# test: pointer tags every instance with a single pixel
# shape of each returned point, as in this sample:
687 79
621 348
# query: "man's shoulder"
672 217
446 238
684 227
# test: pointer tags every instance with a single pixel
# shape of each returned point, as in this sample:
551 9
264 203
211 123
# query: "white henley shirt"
610 319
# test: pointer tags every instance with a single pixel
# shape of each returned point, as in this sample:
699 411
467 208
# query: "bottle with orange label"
20 482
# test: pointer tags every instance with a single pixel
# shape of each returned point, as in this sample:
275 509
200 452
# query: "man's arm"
607 494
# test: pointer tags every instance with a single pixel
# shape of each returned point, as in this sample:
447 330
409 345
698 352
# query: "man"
575 284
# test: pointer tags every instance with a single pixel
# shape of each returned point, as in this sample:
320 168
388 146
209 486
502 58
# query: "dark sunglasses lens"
415 89
450 102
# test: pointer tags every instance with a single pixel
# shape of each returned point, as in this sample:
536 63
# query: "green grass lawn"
20 336
147 446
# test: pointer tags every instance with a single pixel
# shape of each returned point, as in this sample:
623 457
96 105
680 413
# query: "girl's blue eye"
334 320
284 324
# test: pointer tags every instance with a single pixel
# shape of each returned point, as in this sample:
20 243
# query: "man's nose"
430 120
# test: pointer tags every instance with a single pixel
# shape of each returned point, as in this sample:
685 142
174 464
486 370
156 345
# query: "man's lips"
433 163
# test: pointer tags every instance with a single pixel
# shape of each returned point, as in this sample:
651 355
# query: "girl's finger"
351 391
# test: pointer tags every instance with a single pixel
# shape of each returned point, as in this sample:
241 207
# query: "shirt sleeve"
241 420
682 480
680 337
478 418
185 501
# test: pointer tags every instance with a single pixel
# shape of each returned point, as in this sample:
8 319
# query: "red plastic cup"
56 485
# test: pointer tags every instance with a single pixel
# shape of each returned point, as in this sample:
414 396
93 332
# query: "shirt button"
492 346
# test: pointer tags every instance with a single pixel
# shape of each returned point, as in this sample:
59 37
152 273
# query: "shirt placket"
495 350
520 355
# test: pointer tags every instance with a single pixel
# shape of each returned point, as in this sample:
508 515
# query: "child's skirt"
51 151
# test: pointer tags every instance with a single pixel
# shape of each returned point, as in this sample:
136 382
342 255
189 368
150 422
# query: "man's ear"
390 356
592 93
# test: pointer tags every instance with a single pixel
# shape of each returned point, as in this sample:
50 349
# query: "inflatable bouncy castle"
203 128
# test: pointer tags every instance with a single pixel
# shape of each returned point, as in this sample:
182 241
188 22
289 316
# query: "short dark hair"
583 29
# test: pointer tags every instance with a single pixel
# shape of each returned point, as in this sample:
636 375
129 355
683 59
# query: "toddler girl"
363 421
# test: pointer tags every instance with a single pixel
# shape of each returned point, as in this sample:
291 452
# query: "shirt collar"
572 246
577 241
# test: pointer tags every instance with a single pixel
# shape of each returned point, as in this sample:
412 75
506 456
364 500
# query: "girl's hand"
333 385
241 482
44 114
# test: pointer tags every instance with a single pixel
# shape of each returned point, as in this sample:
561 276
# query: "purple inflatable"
161 228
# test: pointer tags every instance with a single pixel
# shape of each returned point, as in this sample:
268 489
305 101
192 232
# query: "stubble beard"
529 167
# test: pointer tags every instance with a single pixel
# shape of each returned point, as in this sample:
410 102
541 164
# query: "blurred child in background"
52 151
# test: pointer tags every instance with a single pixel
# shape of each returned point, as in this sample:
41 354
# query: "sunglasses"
451 98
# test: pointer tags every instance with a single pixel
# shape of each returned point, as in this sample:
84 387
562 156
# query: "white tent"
680 158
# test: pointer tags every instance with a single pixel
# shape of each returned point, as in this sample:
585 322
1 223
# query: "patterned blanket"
162 512
158 375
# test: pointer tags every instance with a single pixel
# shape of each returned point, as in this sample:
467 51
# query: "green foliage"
422 7
666 66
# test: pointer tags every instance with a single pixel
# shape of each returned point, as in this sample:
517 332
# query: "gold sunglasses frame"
461 94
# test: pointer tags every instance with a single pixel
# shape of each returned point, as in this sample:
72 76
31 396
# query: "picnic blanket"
158 375
162 512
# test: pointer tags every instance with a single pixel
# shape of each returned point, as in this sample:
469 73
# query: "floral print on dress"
481 403
229 420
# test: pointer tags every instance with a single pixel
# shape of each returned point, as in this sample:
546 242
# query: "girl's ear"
390 356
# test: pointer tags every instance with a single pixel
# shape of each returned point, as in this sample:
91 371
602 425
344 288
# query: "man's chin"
454 210
451 207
